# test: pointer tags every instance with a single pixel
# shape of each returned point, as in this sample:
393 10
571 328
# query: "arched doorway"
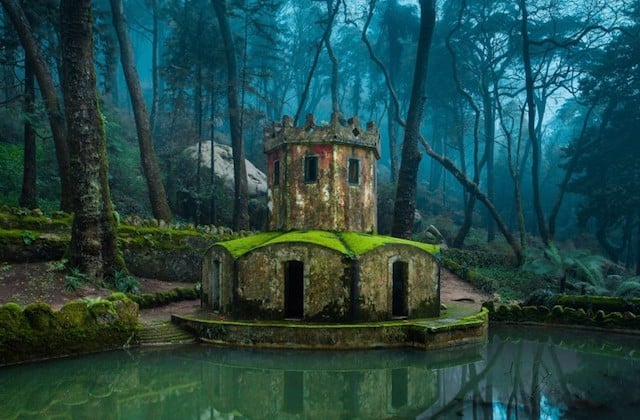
400 278
294 289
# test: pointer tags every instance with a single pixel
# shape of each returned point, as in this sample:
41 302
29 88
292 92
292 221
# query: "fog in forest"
526 131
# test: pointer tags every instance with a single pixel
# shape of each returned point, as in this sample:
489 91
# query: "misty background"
539 115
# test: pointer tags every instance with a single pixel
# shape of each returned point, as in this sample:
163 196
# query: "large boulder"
223 166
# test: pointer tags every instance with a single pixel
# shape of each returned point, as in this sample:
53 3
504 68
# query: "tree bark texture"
405 204
241 189
157 195
93 237
29 174
48 90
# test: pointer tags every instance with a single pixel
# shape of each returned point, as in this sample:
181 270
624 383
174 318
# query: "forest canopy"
527 132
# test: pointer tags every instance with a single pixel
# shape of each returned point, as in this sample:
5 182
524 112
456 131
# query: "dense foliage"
530 118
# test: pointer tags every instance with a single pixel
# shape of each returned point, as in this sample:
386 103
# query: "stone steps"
164 333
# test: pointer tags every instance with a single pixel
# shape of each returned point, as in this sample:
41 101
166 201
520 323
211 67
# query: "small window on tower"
354 171
310 168
276 172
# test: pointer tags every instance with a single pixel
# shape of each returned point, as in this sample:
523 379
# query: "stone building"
321 259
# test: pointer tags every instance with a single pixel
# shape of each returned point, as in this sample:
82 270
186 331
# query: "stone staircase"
163 332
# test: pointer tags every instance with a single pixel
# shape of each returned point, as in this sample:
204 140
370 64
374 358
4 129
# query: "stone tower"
322 176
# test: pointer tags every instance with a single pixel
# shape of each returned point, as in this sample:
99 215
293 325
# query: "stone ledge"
425 334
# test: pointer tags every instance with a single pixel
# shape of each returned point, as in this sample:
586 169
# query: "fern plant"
629 288
74 280
579 268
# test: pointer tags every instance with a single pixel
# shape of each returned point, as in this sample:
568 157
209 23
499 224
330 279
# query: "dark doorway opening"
399 289
293 289
215 286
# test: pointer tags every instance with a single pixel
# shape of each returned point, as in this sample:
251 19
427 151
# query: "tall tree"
157 194
241 188
28 194
405 203
49 93
93 235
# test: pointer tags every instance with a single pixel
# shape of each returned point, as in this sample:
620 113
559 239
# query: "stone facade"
321 276
322 177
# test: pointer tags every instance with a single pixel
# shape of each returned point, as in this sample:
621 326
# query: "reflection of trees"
521 376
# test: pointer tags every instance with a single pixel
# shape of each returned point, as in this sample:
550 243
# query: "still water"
520 373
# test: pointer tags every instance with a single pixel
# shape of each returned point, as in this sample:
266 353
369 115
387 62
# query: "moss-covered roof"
351 244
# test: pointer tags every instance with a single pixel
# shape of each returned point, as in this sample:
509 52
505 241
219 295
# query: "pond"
520 373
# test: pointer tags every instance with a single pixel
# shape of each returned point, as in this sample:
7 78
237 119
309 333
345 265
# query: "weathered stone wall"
376 272
326 286
331 202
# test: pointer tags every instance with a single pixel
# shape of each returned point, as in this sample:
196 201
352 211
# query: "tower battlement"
339 130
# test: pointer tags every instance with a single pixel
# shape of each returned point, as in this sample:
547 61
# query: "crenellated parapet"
339 130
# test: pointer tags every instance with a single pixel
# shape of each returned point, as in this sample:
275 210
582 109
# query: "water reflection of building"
265 393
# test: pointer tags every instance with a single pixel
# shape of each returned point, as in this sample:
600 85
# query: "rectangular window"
354 171
310 168
276 172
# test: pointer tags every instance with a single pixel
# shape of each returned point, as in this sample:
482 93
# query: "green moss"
13 235
73 314
40 316
12 317
361 243
239 247
103 312
347 243
117 296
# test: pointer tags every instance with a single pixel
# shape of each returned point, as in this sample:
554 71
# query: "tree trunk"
638 245
489 143
157 195
28 194
536 149
93 237
241 189
335 107
392 129
155 72
49 93
405 204
465 228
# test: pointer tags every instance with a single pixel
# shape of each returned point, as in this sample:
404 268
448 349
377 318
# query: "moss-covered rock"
12 317
78 327
103 312
73 314
40 316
